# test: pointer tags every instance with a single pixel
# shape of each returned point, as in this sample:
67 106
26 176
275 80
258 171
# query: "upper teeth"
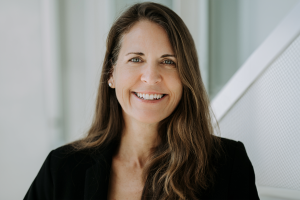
149 96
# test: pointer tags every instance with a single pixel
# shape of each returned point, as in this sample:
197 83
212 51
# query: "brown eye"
135 60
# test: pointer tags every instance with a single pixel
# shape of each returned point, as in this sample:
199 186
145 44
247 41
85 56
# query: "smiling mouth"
149 97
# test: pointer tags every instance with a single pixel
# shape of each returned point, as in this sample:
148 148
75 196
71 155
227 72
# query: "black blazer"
84 175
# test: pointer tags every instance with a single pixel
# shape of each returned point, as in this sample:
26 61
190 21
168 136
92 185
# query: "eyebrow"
142 54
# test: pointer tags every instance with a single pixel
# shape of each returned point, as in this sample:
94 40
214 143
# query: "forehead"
146 36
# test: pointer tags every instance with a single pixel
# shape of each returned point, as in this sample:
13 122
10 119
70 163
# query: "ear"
111 80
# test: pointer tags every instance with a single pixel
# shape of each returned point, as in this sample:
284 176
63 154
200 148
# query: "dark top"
85 175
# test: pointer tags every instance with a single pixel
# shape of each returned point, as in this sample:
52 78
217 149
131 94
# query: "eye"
135 60
169 62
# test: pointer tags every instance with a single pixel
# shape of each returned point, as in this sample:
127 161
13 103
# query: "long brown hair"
181 166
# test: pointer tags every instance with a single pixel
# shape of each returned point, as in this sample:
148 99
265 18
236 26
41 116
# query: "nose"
151 74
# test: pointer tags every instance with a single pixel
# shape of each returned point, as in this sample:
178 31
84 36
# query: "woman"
151 136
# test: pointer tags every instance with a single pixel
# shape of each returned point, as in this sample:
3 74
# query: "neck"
137 142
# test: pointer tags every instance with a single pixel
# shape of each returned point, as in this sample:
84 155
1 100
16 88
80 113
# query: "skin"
141 67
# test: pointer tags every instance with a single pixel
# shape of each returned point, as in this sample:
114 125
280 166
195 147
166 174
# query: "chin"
149 119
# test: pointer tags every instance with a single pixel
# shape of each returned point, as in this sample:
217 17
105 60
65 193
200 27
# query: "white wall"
237 28
262 99
51 57
84 26
258 19
23 125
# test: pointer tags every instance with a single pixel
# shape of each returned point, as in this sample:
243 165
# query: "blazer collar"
97 176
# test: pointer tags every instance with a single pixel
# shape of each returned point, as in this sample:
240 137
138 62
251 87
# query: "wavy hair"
181 167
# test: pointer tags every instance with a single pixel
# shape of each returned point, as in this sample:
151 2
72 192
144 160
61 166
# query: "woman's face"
146 66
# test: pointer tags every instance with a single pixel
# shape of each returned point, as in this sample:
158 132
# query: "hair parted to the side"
181 166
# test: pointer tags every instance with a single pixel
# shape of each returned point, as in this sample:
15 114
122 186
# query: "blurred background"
51 53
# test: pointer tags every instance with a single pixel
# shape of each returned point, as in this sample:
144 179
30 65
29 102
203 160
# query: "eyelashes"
135 60
167 61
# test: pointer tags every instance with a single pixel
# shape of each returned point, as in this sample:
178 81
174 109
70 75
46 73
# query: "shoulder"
233 148
236 175
230 144
63 170
233 155
67 157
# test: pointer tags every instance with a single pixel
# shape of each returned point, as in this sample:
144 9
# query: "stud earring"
109 84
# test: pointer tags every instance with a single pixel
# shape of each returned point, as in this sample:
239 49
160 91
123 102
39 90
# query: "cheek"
124 75
124 80
175 85
178 95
